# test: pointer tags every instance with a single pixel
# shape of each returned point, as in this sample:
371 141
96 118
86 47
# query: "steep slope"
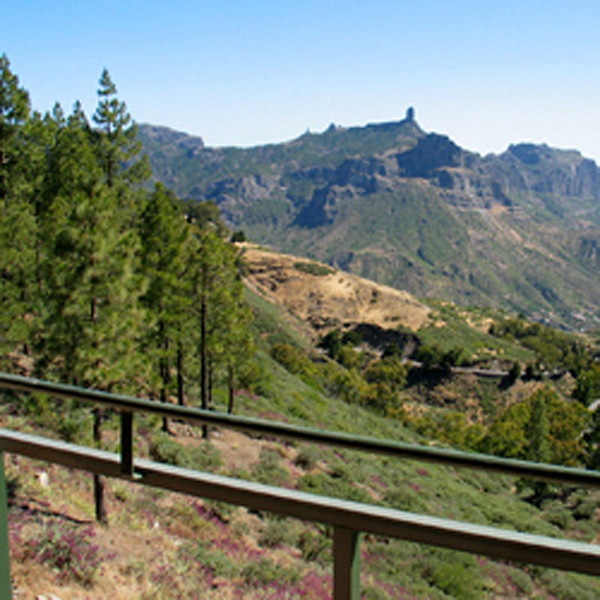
413 210
326 298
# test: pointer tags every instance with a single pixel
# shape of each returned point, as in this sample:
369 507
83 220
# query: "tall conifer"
94 318
17 216
165 241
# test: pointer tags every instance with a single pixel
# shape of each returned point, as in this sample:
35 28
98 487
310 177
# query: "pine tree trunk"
203 364
99 496
231 384
180 380
165 380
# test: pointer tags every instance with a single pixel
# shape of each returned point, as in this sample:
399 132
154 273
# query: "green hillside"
172 545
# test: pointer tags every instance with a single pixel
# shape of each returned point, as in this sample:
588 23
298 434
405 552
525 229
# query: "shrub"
215 561
325 485
269 469
265 571
307 458
164 448
278 532
294 360
315 546
238 236
374 593
315 269
455 574
66 549
331 343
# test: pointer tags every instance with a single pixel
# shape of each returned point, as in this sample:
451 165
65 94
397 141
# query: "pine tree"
14 113
17 216
165 240
94 318
117 141
223 342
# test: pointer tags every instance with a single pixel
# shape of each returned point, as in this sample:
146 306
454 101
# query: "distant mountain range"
413 210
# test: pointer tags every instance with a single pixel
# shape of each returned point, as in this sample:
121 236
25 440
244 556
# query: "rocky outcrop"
540 169
168 137
430 154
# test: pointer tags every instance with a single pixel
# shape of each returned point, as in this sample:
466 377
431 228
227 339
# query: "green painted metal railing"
348 519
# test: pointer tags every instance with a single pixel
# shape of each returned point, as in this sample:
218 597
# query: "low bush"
269 469
265 572
203 457
307 458
67 549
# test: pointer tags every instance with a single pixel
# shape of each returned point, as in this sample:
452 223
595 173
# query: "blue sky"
247 72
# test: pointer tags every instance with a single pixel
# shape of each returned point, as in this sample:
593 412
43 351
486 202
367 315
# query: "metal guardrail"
127 405
348 519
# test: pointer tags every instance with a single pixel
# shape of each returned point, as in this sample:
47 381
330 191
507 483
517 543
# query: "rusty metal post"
346 564
5 585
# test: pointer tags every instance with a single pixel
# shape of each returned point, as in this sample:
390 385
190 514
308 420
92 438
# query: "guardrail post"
5 586
127 443
346 564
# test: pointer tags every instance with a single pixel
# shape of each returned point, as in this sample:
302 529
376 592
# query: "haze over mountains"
410 209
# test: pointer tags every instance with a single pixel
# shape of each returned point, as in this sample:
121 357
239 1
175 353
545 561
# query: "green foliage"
205 215
553 349
278 532
342 383
332 343
450 427
514 373
202 457
316 269
456 326
352 338
265 571
166 245
272 326
307 457
91 280
269 469
294 360
101 277
315 546
117 142
332 485
215 560
541 427
222 337
458 577
387 377
587 388
238 237
567 586
433 356
18 227
349 358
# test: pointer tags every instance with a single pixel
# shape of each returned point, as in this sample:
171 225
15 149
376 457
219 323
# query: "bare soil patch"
328 299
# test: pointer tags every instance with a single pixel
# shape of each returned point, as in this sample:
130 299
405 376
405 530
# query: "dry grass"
328 301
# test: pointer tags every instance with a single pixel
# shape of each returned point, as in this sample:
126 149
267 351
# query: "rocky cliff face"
544 170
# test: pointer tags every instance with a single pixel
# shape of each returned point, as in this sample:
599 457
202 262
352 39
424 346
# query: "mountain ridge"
411 209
